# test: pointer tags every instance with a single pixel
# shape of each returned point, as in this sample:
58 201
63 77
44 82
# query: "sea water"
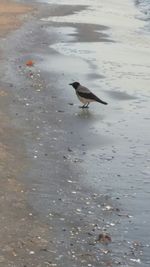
125 61
144 7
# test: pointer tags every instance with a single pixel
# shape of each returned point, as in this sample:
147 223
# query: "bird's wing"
83 89
86 93
89 96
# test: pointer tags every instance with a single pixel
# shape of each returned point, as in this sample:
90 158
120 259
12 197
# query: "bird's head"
74 85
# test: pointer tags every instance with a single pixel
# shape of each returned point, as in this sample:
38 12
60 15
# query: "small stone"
104 238
89 234
136 260
78 210
61 111
31 252
71 104
44 249
108 207
69 181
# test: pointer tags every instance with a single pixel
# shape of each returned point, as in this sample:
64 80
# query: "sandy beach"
69 175
19 230
11 13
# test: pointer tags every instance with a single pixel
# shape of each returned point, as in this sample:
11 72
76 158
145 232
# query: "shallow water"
119 163
105 149
125 62
144 6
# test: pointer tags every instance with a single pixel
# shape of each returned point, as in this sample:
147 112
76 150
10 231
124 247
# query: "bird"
85 95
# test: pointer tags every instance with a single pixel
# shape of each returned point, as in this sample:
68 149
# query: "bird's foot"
83 107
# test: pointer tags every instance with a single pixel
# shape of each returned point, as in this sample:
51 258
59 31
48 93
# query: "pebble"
79 210
104 238
136 260
31 252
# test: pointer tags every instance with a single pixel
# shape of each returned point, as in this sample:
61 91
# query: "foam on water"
119 63
101 12
124 63
122 8
144 7
120 16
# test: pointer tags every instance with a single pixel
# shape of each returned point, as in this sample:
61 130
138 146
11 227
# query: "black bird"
85 95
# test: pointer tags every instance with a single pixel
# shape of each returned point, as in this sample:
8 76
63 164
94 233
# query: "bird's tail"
102 102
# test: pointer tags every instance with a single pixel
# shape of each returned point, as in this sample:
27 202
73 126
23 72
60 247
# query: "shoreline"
74 188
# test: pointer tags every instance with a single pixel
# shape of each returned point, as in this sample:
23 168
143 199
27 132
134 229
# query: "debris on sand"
29 63
104 238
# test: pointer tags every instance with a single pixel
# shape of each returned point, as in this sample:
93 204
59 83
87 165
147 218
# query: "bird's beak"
70 83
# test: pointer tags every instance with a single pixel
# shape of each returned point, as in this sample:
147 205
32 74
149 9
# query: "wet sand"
77 173
10 15
21 234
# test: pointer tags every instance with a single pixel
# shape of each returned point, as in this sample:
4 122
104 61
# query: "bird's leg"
87 105
82 106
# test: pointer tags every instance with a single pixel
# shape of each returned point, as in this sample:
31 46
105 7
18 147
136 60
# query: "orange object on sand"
29 63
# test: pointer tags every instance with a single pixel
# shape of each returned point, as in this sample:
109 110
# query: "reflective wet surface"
88 170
